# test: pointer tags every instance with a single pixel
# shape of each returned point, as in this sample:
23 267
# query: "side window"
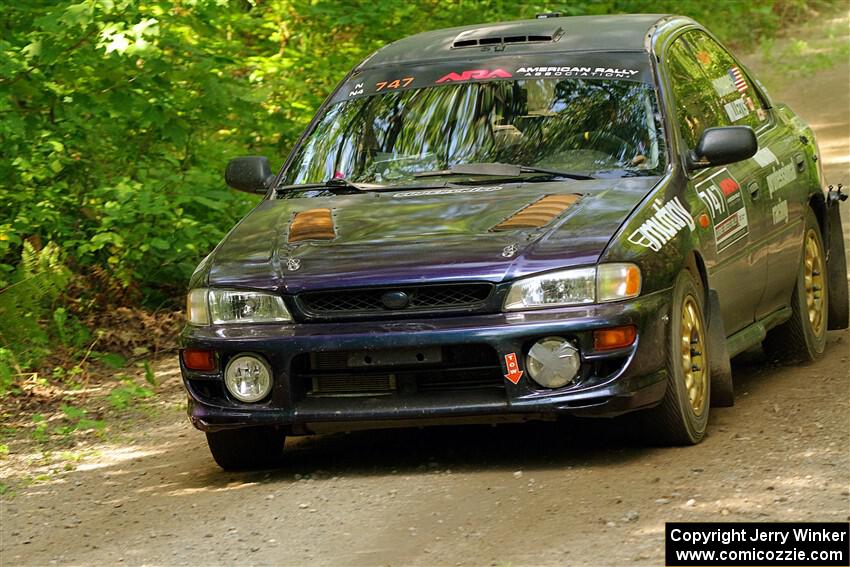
697 105
740 100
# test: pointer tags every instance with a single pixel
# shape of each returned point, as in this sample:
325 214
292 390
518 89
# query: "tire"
246 448
803 337
682 416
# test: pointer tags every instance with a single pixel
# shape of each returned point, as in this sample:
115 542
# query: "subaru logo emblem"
509 250
395 300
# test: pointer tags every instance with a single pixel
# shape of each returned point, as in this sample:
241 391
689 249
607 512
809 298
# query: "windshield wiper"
335 183
499 170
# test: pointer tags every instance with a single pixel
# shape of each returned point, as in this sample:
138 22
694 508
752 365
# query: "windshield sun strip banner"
631 66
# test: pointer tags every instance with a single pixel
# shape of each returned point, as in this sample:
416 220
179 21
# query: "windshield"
590 126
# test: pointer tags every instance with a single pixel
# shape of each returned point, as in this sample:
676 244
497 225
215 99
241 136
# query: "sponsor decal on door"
780 178
722 195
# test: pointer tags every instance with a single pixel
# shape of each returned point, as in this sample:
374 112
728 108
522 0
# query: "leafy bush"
26 308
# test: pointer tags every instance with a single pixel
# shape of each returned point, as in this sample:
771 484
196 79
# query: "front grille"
397 372
356 385
439 297
463 379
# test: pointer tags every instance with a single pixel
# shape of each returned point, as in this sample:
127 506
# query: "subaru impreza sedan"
517 221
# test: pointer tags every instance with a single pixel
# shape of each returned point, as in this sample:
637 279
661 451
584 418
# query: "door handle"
754 190
800 160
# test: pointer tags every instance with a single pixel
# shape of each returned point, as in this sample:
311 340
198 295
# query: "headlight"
568 287
608 282
205 306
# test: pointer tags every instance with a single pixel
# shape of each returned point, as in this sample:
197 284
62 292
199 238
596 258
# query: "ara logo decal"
514 373
475 74
667 221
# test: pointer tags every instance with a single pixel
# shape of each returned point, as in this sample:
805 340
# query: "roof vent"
511 36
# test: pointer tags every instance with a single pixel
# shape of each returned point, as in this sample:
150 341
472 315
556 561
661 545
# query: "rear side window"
740 99
709 88
697 106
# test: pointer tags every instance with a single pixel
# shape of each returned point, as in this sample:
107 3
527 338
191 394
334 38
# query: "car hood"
424 235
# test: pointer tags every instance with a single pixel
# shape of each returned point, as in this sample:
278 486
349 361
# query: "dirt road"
564 494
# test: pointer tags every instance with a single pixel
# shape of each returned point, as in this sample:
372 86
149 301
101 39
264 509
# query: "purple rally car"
515 221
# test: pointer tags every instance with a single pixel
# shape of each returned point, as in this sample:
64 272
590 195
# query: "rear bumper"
612 383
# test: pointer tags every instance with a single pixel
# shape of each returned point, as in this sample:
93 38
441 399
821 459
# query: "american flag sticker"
738 79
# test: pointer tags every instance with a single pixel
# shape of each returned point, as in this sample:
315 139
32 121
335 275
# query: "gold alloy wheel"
814 282
694 362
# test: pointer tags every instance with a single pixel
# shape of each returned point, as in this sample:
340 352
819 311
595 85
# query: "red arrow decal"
514 373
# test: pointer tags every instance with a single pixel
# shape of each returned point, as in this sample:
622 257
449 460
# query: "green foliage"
73 419
112 112
76 420
150 377
800 58
26 303
8 366
112 360
122 396
39 432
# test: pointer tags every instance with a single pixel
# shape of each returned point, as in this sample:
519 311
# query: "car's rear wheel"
682 416
803 336
246 448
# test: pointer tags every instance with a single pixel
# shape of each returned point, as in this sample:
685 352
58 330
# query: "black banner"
400 77
762 544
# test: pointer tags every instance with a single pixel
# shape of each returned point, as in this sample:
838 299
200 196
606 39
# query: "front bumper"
612 382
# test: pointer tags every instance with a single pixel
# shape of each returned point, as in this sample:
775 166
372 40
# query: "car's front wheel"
246 448
682 416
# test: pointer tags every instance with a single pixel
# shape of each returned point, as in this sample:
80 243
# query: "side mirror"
251 174
719 146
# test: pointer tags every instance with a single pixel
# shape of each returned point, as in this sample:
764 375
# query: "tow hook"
834 195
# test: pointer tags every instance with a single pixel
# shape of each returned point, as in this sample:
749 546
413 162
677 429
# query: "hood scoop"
312 224
538 214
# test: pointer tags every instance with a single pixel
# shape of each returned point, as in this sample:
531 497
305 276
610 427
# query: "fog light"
248 378
553 362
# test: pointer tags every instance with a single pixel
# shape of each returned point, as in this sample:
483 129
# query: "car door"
781 161
737 269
